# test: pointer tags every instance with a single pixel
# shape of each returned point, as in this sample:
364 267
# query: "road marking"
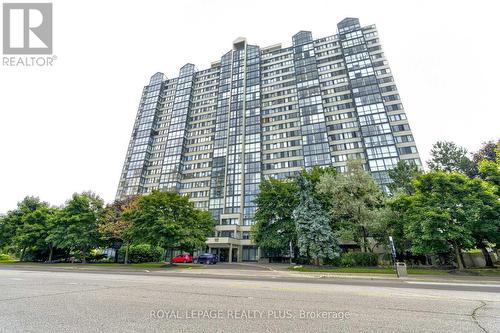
455 284
16 279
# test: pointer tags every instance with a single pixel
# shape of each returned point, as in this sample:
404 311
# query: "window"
383 164
379 140
407 150
381 152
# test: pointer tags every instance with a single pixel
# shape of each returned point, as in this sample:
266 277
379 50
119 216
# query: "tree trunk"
23 251
486 254
125 261
84 252
51 248
363 229
462 258
116 255
458 257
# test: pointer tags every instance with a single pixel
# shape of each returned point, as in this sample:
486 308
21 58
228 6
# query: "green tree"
36 226
488 151
449 157
274 226
77 223
315 237
11 227
169 220
485 226
115 229
51 230
446 212
395 223
197 231
402 176
7 230
490 170
4 234
354 201
314 175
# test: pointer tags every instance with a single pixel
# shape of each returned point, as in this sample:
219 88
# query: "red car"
186 257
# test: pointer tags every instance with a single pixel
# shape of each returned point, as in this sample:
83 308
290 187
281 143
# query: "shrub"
141 253
351 259
332 262
95 257
4 257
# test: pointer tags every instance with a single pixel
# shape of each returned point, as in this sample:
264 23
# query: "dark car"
207 258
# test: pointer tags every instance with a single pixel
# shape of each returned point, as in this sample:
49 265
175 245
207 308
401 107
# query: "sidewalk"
282 269
253 270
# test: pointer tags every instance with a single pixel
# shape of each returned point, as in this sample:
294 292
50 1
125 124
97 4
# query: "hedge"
141 253
352 259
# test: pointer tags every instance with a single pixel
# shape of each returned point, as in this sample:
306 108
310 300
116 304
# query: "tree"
315 237
314 175
169 220
77 223
447 156
4 232
114 228
274 227
402 176
35 228
490 170
12 224
354 200
197 230
391 223
51 231
446 212
7 230
488 151
485 226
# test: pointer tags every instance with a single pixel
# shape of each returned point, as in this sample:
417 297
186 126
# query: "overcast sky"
66 128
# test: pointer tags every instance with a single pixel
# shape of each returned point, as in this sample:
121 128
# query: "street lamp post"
393 252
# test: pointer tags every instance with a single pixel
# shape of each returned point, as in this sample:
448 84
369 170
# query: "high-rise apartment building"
214 134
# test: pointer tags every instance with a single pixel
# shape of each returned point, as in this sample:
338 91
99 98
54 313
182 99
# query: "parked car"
182 258
208 258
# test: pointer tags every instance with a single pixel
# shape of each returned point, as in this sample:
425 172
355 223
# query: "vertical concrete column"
240 253
230 253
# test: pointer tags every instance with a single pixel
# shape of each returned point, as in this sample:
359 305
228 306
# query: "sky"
65 128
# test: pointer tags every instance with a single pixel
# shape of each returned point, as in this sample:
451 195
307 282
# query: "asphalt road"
65 301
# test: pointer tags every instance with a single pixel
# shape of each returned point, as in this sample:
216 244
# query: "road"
33 300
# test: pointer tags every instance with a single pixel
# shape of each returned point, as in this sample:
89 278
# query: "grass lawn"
106 265
377 270
369 270
485 271
8 261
